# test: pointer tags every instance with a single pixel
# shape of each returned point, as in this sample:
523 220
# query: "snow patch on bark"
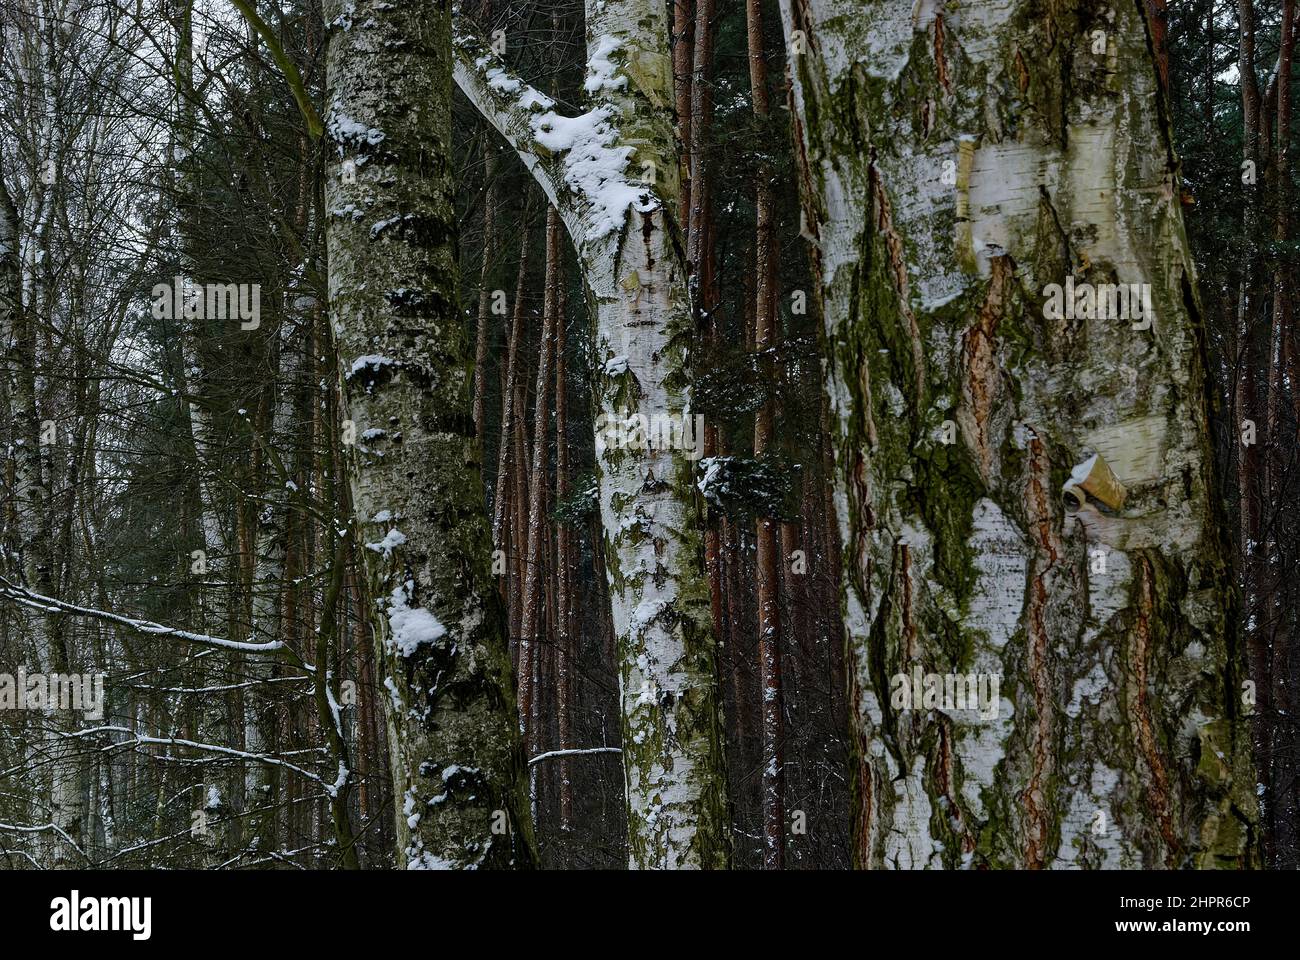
602 73
392 540
343 129
594 166
411 626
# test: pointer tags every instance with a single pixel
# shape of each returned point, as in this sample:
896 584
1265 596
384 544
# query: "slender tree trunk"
682 42
531 617
485 291
508 464
700 129
1246 386
519 508
1280 459
565 599
36 513
766 336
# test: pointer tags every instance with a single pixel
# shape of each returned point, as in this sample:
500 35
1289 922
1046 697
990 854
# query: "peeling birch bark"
958 160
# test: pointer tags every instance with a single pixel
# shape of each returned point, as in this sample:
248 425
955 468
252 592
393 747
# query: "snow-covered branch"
574 753
44 828
580 162
49 605
506 102
138 739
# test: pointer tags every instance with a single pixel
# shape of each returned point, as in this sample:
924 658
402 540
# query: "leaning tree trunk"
613 176
956 163
414 470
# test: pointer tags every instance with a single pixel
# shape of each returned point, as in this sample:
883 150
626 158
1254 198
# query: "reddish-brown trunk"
532 611
701 126
766 337
1280 458
485 294
507 463
683 28
563 560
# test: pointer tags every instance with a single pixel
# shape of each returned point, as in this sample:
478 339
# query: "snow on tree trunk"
414 464
958 161
612 173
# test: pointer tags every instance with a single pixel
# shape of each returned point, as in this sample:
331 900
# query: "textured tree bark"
766 336
485 292
531 618
958 161
622 225
414 467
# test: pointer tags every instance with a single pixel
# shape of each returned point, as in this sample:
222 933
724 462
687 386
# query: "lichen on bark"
961 158
414 465
634 272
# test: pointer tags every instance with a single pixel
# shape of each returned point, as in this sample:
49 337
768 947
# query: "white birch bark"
960 159
612 174
28 294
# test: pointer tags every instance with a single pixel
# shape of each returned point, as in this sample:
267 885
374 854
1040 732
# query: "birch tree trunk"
957 162
63 805
613 175
414 467
26 267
